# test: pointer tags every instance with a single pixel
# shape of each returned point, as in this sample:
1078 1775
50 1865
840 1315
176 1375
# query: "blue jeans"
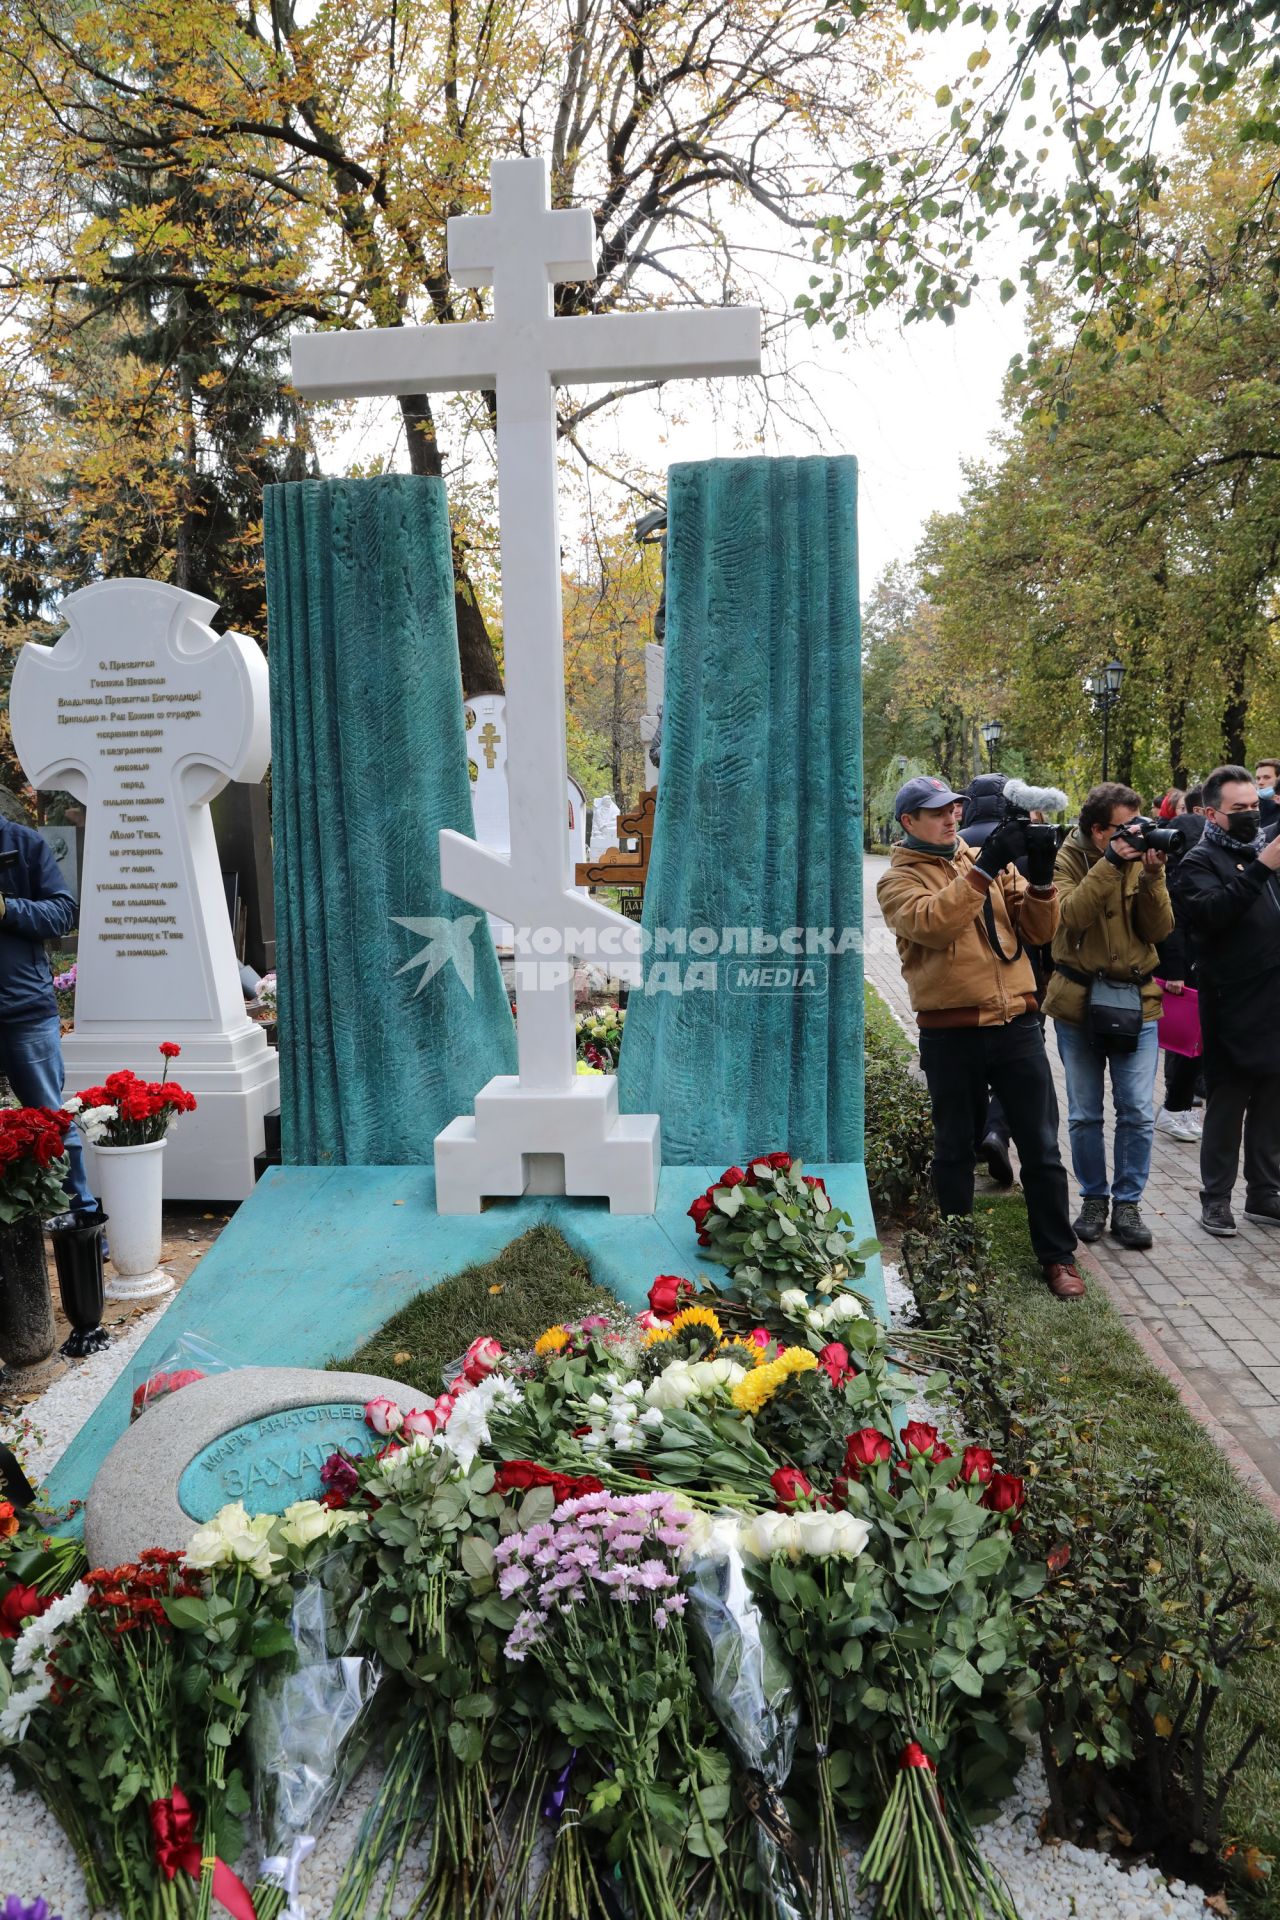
1133 1080
31 1061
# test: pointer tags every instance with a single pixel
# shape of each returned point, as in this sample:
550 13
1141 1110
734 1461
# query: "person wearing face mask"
1229 896
1264 775
961 919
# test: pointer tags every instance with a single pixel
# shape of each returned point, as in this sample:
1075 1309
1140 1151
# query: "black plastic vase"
26 1310
77 1254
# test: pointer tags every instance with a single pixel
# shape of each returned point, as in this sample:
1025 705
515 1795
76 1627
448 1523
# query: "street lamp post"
1104 691
991 736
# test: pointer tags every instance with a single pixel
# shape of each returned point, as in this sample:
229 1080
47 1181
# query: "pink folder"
1179 1027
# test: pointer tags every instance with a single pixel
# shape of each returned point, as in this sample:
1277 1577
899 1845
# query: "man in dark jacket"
1228 890
1177 1117
983 814
35 906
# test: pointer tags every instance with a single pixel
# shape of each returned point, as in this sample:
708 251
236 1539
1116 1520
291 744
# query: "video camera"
1144 833
1021 801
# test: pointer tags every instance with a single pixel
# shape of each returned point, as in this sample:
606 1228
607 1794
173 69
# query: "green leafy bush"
1143 1617
899 1123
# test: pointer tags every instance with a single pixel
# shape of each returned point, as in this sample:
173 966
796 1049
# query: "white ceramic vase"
129 1181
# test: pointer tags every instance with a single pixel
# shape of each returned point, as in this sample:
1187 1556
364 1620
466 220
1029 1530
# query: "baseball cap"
922 794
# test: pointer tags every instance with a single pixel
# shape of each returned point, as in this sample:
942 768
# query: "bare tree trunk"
480 672
1235 710
183 556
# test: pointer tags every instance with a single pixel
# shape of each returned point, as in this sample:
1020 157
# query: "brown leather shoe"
1063 1280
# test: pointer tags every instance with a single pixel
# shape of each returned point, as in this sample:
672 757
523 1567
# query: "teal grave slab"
318 1258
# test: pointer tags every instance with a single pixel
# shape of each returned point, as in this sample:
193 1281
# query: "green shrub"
899 1123
1138 1636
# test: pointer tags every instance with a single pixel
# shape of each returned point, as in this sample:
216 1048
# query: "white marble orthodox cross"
525 1126
144 713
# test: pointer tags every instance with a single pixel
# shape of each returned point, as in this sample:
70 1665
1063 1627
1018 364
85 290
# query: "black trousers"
1181 1075
1241 1104
960 1064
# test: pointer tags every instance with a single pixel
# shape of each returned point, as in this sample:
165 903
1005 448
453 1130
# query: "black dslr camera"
1020 801
1145 834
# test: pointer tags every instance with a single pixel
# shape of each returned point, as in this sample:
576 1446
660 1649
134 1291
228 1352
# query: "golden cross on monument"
489 739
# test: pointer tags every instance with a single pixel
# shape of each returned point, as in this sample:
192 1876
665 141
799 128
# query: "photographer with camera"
1104 1001
1229 894
961 920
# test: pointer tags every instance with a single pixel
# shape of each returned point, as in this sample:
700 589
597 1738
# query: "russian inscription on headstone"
144 713
257 1435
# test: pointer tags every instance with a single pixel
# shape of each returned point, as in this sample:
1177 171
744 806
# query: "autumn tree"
1061 120
609 604
350 136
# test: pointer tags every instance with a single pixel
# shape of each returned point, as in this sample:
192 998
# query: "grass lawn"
882 1027
534 1282
1086 1356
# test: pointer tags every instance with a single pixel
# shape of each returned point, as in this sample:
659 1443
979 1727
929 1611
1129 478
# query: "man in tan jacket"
1115 908
961 921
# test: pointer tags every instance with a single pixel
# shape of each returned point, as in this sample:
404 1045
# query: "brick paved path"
1207 1310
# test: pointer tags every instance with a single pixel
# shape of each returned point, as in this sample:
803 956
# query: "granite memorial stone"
258 1435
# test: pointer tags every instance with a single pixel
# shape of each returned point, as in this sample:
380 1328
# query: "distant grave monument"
486 723
144 713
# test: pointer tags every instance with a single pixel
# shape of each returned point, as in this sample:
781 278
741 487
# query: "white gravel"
60 1412
1055 1882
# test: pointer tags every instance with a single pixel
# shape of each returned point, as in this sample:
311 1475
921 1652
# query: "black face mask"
1244 826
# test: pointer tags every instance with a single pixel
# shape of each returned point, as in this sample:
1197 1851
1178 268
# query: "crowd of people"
1132 933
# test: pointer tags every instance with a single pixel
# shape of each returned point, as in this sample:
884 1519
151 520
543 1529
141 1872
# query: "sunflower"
736 1347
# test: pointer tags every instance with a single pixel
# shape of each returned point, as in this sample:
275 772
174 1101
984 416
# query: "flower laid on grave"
599 1035
628 1588
128 1112
774 1227
33 1162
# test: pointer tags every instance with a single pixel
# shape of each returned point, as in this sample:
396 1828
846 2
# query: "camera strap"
993 933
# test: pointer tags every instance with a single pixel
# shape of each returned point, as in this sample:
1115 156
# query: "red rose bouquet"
774 1227
33 1162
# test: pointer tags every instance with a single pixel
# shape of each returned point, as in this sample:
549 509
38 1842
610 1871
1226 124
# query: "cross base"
605 1154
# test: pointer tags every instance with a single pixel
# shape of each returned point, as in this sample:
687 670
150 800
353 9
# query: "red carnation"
834 1361
19 1605
666 1293
977 1465
866 1448
170 1049
790 1486
1006 1493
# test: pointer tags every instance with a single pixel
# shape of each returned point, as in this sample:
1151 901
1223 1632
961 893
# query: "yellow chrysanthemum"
551 1341
656 1335
752 1392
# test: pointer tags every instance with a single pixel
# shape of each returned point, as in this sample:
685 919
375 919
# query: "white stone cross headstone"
144 714
524 1125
